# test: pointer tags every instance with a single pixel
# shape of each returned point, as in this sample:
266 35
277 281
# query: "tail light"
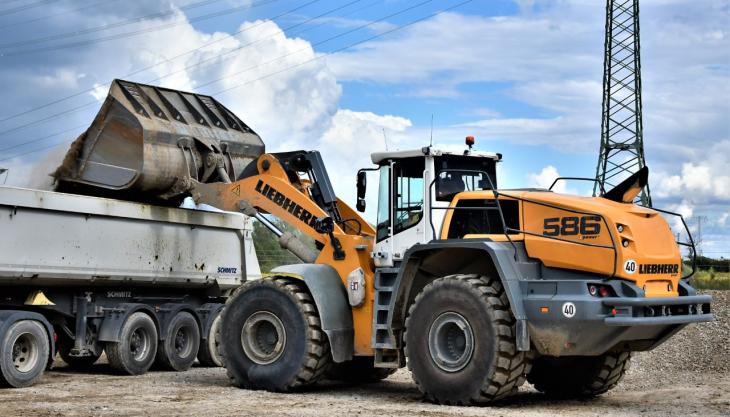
598 290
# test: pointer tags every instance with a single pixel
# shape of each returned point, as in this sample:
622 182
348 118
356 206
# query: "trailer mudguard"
207 313
111 325
9 317
330 298
461 258
167 311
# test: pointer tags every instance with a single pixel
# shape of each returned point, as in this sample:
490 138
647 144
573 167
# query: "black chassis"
101 310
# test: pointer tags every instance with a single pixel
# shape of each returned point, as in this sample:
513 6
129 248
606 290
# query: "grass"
711 280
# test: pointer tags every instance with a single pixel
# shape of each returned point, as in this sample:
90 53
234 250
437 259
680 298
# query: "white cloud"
545 178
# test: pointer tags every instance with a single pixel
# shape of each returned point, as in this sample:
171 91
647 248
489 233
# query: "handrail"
690 244
593 180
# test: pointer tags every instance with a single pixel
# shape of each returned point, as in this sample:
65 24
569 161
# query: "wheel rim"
183 342
139 344
263 337
212 343
451 341
25 352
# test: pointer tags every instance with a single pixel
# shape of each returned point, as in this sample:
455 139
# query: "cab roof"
379 157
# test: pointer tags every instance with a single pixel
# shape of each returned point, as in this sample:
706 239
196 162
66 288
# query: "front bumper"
596 325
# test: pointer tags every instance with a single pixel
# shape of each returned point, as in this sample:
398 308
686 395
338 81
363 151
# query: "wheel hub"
182 342
263 337
25 352
139 344
451 341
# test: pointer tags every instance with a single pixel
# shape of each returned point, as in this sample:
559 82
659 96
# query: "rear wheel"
271 337
134 353
579 376
460 341
358 370
180 347
208 352
24 354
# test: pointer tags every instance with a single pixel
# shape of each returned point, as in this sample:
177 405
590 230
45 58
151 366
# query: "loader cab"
414 189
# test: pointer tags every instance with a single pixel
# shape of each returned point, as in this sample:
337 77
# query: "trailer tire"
579 376
208 355
180 347
360 369
135 351
25 351
460 341
271 336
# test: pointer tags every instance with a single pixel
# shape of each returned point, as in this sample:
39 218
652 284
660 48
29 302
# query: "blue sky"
524 77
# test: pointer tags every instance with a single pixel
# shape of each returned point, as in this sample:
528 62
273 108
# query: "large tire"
460 341
271 336
81 363
208 355
360 369
579 376
135 351
180 347
24 353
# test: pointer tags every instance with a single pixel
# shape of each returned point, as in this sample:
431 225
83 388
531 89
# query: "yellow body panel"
650 244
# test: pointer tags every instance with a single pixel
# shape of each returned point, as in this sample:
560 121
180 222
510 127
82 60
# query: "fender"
465 259
207 313
111 325
330 298
167 311
10 317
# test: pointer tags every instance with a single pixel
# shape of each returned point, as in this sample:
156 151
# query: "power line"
135 72
139 31
65 12
88 104
302 63
339 35
214 57
108 26
25 7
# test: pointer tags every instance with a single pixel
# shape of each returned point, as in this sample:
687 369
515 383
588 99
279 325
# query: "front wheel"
460 341
271 336
579 376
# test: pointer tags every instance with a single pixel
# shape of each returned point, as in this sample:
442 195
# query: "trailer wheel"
579 376
360 369
460 341
208 353
25 350
271 336
134 353
180 347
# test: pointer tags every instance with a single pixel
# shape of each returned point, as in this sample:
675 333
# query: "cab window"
456 173
383 229
408 179
471 218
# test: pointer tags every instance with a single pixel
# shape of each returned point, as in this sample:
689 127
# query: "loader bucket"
152 142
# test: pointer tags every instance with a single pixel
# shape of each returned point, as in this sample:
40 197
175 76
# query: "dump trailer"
108 262
476 289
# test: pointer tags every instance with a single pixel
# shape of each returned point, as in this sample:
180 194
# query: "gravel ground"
689 375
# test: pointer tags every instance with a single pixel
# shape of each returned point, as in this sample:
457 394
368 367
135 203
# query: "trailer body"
82 266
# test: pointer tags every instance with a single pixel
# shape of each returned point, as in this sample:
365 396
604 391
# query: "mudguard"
330 296
502 256
111 326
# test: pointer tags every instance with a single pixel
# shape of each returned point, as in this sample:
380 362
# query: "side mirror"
362 183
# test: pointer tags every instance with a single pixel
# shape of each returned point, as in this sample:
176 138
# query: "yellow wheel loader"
475 288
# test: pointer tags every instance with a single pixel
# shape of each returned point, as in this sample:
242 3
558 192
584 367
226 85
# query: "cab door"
401 209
